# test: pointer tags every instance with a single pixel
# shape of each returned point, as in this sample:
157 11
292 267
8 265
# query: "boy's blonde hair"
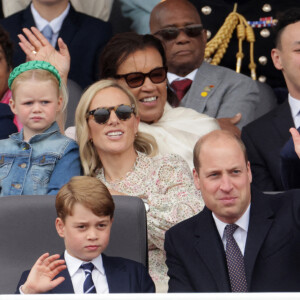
90 160
87 191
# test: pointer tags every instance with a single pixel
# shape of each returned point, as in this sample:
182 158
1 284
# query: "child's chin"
90 257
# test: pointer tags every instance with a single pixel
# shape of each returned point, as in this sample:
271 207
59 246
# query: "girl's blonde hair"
90 160
43 75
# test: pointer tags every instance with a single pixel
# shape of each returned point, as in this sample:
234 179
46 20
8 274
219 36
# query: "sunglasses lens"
169 34
101 115
135 80
158 75
123 112
193 31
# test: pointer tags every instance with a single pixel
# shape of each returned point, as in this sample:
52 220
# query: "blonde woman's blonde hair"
90 160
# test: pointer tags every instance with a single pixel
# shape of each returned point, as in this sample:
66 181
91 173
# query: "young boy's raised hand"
41 277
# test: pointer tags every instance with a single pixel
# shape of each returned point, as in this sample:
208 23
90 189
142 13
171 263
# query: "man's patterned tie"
235 261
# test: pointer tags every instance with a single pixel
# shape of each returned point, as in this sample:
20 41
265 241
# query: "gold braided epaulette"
216 47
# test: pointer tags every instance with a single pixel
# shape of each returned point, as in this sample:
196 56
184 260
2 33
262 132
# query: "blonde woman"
113 150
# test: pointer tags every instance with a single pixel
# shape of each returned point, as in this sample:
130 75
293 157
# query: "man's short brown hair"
87 191
216 134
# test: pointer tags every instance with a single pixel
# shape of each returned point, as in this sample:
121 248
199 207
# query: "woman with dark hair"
138 62
6 53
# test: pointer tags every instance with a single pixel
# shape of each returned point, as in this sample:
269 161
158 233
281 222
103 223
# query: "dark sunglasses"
137 79
101 115
172 33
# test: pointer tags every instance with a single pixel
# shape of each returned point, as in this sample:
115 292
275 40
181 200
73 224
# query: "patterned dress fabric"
165 184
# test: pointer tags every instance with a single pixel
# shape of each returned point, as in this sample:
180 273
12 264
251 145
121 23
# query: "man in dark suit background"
266 237
84 35
265 136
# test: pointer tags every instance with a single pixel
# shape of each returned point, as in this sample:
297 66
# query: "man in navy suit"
85 214
265 137
266 236
84 35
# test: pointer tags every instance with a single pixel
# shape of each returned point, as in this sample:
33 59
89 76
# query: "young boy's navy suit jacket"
123 276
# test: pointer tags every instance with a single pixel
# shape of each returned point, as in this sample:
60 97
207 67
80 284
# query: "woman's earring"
91 141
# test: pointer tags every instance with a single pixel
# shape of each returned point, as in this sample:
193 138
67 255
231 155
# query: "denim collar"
52 129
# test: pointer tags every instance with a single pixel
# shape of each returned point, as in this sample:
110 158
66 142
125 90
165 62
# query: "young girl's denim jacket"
41 166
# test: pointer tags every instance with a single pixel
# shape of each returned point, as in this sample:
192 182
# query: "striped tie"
88 285
235 261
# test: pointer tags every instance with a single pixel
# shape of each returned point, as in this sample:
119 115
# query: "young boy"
85 211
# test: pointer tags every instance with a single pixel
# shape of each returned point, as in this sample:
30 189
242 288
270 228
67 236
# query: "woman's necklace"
118 180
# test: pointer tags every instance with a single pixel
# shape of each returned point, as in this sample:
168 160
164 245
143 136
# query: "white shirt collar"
172 77
295 107
73 263
55 24
242 222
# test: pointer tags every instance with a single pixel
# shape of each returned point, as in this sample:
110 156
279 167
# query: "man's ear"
204 36
60 227
196 179
276 57
249 172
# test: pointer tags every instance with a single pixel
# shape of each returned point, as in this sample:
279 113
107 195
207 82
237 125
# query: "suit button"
262 78
265 33
263 60
267 7
208 34
206 10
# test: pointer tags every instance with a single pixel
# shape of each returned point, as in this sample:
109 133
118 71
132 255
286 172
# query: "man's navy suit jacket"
196 256
84 35
264 139
123 276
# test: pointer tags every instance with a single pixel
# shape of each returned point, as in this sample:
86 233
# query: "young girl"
39 159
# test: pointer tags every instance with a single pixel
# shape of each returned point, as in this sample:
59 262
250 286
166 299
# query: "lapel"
66 287
116 275
28 20
261 219
209 246
283 120
202 84
70 27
